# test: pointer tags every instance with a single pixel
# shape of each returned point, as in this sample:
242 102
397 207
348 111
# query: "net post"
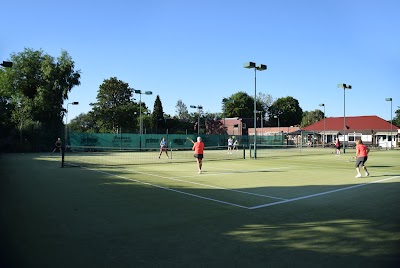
62 155
170 150
244 151
250 149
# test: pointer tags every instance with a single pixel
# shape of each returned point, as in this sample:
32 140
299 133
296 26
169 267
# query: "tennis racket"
190 139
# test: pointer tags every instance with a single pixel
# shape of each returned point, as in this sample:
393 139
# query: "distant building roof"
362 124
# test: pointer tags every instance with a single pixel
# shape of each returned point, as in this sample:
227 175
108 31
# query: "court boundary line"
166 188
234 204
206 185
320 194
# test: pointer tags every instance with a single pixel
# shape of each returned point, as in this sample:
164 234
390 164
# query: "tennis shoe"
358 175
366 174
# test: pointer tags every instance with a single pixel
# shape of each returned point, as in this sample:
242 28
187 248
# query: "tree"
182 121
182 111
22 118
45 81
158 116
6 107
84 123
266 101
212 125
242 105
177 126
396 119
36 87
114 109
310 117
288 110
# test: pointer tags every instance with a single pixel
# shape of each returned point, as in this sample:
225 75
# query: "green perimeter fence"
152 141
84 149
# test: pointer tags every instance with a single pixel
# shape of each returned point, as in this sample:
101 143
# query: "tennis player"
163 147
57 146
230 145
337 146
198 148
236 145
362 156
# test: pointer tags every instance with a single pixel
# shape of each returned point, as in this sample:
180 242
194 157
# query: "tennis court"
285 208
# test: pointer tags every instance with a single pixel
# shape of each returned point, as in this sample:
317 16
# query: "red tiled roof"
353 123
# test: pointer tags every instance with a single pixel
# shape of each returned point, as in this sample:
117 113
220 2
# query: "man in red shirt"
362 156
198 148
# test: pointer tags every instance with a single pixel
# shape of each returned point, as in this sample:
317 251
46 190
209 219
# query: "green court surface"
283 209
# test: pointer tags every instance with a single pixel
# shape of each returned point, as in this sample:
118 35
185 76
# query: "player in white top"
230 145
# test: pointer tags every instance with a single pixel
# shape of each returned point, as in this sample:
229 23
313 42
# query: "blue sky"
194 50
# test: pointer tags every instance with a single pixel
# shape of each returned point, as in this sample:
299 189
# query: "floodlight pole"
323 140
277 116
66 117
260 67
199 108
391 122
262 123
140 108
344 86
66 121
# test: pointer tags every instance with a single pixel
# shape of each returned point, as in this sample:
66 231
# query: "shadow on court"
80 218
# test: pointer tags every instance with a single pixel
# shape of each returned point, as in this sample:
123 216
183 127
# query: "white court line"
205 185
248 171
200 184
323 193
232 171
168 189
233 204
235 170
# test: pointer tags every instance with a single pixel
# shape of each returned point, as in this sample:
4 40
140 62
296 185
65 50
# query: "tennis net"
111 156
287 150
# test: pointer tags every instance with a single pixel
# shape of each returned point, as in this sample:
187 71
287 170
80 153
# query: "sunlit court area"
200 134
287 208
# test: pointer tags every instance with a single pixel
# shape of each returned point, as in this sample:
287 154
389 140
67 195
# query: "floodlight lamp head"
148 92
192 106
341 85
75 103
200 107
388 99
249 65
7 64
261 67
137 91
344 86
322 104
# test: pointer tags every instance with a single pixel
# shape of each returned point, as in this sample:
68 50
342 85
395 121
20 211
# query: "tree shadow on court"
80 218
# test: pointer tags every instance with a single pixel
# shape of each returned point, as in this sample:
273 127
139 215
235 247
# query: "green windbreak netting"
151 141
125 149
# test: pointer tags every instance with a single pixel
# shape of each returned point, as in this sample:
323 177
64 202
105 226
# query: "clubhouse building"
372 130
